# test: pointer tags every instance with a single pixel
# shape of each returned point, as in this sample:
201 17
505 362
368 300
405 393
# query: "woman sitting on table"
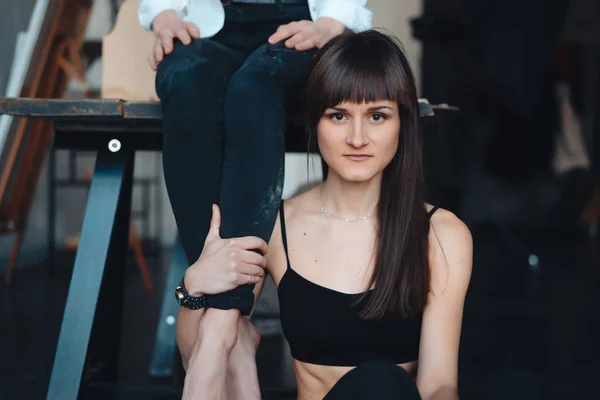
371 279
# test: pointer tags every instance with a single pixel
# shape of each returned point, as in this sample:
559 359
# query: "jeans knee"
251 88
180 79
190 71
192 94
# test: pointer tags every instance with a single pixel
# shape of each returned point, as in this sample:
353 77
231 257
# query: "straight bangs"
357 72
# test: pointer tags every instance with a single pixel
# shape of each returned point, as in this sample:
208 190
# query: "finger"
152 62
243 279
158 52
248 269
167 42
307 44
192 30
184 36
250 243
284 32
215 224
294 40
252 258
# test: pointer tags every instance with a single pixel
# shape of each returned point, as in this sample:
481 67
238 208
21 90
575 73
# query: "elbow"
446 392
443 392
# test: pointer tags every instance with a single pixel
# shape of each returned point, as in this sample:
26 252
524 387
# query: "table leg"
164 347
51 209
91 329
590 119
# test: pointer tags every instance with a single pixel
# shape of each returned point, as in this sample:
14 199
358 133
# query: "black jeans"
225 104
379 380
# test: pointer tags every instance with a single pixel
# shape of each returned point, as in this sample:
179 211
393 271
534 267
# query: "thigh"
272 71
375 380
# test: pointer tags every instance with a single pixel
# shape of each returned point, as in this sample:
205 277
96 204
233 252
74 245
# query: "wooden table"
89 340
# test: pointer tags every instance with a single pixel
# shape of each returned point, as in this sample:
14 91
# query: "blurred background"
518 163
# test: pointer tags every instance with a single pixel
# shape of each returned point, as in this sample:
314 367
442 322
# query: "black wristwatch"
188 301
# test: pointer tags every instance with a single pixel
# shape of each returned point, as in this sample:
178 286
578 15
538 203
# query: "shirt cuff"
149 9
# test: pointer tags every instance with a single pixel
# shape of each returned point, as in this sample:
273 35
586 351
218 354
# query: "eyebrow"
377 108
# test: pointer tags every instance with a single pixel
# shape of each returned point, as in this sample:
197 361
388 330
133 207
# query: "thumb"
215 225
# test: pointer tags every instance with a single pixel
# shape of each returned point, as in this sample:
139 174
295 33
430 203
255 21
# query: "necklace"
328 213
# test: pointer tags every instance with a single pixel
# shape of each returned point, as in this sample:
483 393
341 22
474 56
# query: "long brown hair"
365 67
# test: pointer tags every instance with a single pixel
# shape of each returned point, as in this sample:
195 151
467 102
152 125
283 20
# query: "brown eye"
378 117
337 117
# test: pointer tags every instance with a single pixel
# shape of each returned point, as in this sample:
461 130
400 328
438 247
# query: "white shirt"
209 15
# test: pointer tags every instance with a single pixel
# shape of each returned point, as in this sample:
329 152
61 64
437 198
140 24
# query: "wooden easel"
51 67
54 61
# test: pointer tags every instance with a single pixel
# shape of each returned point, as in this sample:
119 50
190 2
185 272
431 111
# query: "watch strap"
243 301
189 301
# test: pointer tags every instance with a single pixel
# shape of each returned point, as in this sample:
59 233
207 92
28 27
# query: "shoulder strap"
430 213
283 233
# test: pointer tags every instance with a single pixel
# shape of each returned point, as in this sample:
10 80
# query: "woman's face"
357 141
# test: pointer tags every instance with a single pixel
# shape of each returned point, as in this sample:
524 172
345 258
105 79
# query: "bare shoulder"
293 212
448 226
450 252
300 203
300 208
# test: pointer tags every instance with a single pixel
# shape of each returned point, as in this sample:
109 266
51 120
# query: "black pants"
225 102
379 380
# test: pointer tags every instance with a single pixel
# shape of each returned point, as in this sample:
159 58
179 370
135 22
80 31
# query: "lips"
358 157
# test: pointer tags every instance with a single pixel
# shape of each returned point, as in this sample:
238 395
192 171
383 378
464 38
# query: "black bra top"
322 325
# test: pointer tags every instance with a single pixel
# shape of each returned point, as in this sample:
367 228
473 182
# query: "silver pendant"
328 213
325 211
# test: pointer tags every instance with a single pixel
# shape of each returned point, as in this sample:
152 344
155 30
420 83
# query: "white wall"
394 15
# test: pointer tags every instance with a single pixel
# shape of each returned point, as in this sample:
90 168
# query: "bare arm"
223 265
189 321
450 261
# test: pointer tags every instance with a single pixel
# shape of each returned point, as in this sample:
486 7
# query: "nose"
357 137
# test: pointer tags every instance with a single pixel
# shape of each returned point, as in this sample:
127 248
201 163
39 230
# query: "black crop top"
322 325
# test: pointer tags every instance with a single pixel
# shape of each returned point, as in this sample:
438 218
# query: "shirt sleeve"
149 9
354 14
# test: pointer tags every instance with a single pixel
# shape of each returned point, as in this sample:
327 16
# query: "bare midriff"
315 381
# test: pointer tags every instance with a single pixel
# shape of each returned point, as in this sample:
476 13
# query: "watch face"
179 295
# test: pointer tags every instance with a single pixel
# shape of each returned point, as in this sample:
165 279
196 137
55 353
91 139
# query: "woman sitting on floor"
371 279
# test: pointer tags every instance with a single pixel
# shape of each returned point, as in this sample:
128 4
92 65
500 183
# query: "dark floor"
526 334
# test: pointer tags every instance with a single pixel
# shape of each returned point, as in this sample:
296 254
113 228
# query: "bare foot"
243 376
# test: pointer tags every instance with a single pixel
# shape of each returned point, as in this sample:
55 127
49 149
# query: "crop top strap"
283 233
433 210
